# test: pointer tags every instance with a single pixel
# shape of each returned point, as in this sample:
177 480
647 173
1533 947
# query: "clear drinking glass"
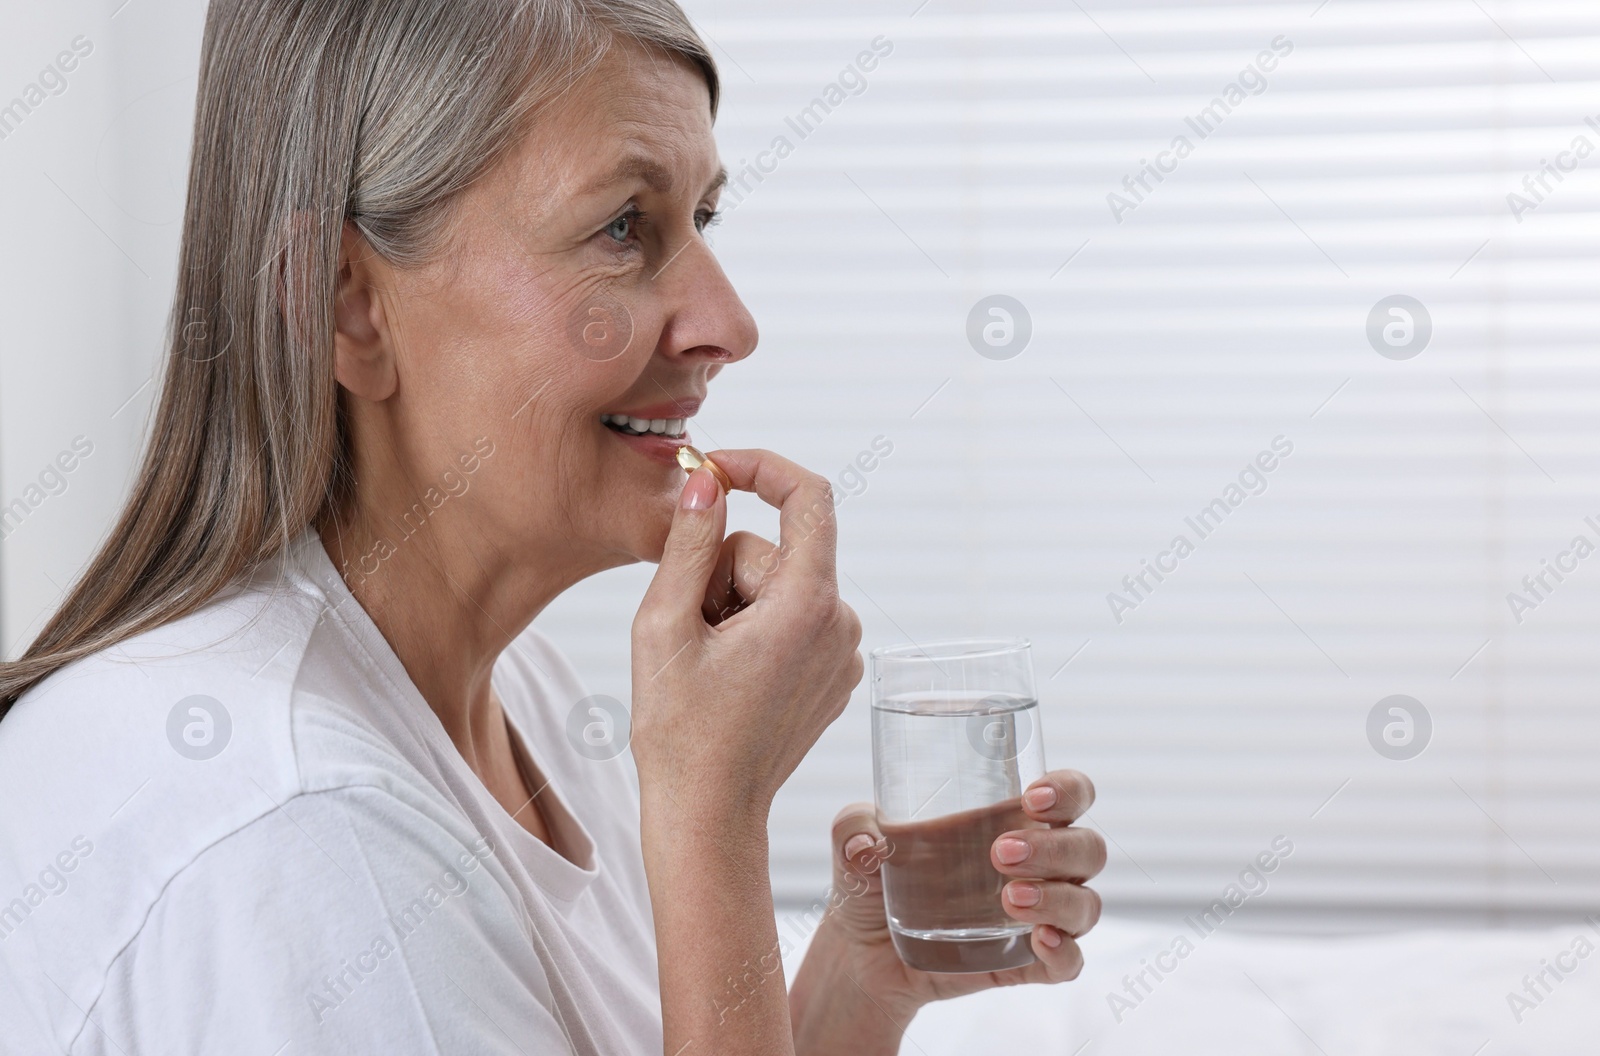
955 741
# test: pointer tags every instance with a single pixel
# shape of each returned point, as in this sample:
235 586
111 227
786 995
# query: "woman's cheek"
601 328
589 316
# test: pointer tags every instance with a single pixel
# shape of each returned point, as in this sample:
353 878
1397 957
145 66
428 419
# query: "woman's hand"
743 652
742 655
852 984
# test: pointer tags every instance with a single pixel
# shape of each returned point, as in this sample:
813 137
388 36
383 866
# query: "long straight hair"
309 113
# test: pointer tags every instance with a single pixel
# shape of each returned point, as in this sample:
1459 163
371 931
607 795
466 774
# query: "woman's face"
575 283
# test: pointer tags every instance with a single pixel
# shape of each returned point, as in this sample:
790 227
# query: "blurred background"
1084 271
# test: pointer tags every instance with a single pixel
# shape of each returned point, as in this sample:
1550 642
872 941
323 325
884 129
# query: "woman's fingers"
1068 853
1060 959
1071 908
737 578
1059 797
1057 959
1062 857
804 500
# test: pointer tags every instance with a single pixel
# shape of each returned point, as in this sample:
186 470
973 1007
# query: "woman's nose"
706 316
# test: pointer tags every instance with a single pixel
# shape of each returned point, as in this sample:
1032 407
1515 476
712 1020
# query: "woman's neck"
448 613
447 619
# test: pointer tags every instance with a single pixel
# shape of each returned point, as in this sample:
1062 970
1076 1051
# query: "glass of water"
955 742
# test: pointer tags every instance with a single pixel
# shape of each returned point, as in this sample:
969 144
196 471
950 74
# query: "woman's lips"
657 446
654 446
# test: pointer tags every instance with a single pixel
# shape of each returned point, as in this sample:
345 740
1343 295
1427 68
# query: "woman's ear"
363 359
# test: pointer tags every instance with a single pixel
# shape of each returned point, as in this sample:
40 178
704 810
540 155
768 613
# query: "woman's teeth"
640 426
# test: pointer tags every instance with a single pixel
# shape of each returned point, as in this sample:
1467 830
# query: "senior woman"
289 770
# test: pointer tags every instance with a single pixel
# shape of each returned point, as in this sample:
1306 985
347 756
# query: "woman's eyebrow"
655 176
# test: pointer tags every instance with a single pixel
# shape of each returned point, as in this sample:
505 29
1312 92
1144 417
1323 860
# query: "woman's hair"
309 113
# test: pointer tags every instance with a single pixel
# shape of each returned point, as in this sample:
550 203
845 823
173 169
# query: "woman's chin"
651 526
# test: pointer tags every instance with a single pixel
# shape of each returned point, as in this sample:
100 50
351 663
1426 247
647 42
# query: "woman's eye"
626 227
621 228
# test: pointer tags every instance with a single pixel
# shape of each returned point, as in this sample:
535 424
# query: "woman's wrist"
832 1009
715 933
681 802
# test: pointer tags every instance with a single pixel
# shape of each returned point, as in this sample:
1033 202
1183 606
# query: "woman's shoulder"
220 693
334 918
124 768
183 692
174 719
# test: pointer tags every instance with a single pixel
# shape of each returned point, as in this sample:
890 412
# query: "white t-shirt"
245 832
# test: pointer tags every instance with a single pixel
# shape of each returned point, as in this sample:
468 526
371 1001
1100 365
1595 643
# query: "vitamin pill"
690 458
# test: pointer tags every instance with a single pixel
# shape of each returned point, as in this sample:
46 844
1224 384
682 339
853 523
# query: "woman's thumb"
859 848
692 548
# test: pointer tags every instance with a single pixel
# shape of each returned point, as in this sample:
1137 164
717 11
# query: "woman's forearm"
831 1011
722 988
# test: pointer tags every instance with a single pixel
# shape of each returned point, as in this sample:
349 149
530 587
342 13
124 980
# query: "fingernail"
856 844
1011 851
1023 894
700 491
1049 936
1041 798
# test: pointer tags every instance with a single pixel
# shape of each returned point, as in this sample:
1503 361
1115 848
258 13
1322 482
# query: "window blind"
1235 236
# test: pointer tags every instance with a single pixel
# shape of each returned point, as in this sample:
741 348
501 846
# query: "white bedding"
1404 994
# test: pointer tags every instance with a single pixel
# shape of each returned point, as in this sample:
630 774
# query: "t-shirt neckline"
556 874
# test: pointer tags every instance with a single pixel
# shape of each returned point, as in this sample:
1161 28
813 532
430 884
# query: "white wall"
91 191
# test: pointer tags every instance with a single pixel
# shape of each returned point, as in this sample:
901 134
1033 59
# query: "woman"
289 771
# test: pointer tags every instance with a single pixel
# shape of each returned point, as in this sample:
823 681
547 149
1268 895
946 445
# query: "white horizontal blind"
1174 338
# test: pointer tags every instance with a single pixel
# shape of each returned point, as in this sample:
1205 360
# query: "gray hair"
309 113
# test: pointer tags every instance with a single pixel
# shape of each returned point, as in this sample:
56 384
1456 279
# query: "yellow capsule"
690 458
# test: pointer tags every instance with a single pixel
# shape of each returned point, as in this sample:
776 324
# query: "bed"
1451 992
